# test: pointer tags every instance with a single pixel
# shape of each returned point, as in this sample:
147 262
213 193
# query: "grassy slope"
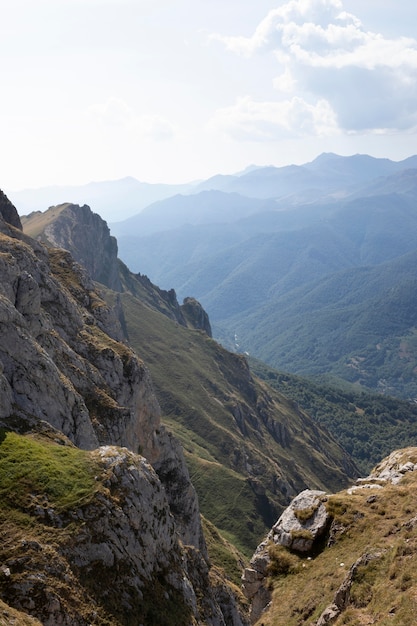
35 223
243 475
369 426
384 591
41 473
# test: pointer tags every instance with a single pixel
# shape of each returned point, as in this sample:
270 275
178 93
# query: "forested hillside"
312 279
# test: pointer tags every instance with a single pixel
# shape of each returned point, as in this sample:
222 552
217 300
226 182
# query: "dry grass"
35 223
384 591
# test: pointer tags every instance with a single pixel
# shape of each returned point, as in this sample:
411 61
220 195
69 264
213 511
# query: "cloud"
331 67
116 114
271 121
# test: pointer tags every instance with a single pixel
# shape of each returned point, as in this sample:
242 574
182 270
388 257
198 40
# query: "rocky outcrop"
307 528
122 561
62 361
87 237
342 595
8 212
298 529
82 232
196 315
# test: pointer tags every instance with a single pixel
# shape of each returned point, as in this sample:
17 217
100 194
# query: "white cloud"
271 121
328 61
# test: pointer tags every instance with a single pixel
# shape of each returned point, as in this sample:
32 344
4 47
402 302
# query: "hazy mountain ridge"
273 260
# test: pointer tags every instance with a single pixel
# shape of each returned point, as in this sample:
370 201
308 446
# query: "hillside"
95 488
353 556
367 425
243 442
339 254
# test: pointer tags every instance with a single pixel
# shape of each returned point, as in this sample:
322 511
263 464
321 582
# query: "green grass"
369 426
31 467
224 420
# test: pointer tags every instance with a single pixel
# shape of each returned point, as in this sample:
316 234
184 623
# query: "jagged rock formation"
8 212
79 230
196 315
86 235
62 361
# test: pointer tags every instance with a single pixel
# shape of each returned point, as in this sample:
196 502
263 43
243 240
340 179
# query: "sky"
179 90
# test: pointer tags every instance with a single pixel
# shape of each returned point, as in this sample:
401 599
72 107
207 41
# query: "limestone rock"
390 470
87 236
63 363
196 315
122 562
302 523
8 212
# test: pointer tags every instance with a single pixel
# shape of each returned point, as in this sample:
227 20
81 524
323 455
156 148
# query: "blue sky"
178 90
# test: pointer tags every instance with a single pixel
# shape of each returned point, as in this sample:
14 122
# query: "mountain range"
122 421
291 271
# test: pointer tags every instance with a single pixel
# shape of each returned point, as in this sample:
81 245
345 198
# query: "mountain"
261 276
326 175
367 425
204 207
113 199
98 510
226 420
92 531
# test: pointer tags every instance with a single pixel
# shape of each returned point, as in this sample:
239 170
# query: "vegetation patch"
305 514
223 555
31 466
367 425
282 561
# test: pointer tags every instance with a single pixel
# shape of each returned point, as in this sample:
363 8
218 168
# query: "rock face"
122 562
62 361
196 315
300 526
8 212
87 237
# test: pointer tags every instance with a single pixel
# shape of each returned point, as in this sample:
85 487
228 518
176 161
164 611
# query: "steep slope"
243 443
248 448
347 558
358 324
367 425
67 379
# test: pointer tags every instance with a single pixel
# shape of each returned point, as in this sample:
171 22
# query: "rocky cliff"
86 235
138 537
239 436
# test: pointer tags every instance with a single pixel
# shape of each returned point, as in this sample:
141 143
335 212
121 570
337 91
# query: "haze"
173 91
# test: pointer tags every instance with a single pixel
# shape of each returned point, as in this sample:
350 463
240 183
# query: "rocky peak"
87 237
8 212
196 316
85 234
